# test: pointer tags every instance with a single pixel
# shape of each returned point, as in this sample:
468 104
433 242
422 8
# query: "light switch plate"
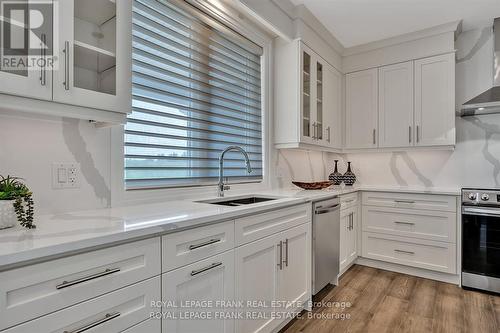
65 175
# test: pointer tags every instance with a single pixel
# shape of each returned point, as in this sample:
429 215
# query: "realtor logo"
27 35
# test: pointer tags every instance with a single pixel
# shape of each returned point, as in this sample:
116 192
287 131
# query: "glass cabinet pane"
306 95
95 45
319 101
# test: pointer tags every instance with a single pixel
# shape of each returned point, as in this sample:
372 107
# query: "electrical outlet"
65 175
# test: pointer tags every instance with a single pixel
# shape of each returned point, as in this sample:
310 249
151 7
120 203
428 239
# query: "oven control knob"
472 196
485 197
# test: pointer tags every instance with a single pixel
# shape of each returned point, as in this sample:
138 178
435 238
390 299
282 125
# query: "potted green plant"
16 203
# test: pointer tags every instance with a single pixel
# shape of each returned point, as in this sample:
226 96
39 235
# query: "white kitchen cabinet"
348 237
111 313
435 100
257 266
209 280
295 277
361 109
275 268
18 74
395 108
308 94
95 54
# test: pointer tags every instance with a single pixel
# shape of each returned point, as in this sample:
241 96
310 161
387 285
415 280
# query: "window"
196 89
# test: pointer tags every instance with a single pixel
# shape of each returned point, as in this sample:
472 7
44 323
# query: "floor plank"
383 301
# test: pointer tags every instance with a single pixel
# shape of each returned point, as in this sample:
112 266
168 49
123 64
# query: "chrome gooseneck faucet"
221 187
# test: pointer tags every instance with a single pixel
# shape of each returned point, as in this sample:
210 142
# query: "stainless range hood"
489 101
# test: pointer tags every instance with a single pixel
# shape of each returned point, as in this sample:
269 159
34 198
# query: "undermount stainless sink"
239 201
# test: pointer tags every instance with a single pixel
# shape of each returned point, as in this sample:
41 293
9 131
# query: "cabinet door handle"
43 69
208 242
280 264
286 252
107 271
66 65
107 317
328 130
418 133
204 269
404 252
405 201
406 223
374 134
409 134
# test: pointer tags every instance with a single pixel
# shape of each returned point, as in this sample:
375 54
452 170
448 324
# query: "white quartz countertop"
64 234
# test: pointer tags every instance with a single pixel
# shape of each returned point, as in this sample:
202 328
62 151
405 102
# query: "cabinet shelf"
93 58
95 11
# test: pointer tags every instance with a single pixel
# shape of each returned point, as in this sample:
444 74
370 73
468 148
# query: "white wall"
474 162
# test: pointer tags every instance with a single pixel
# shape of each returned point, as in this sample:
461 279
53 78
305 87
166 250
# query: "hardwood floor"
383 301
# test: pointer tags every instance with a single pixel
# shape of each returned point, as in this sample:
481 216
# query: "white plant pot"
8 216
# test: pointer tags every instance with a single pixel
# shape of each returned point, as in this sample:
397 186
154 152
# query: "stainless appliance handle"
107 317
482 211
208 242
286 252
405 252
204 269
280 264
107 271
43 69
66 65
327 209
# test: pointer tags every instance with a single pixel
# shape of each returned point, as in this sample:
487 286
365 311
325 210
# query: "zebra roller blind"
196 89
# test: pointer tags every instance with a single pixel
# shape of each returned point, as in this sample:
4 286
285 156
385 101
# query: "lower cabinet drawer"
437 256
197 290
32 291
186 247
251 228
113 312
431 225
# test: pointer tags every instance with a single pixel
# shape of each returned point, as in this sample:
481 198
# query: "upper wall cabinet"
361 109
308 97
95 70
395 105
435 101
89 44
410 104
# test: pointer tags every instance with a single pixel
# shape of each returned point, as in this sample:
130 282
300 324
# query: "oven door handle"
481 211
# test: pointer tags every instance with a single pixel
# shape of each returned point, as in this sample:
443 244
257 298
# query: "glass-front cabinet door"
94 54
307 126
26 50
318 125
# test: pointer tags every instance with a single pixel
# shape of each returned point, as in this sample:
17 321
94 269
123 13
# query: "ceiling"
355 22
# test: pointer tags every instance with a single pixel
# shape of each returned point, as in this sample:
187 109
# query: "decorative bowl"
313 185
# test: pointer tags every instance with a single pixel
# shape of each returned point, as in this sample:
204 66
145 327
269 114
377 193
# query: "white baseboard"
424 273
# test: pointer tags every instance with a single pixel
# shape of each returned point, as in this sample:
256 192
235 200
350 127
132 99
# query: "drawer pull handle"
407 223
208 242
201 270
108 271
405 252
405 201
349 201
107 317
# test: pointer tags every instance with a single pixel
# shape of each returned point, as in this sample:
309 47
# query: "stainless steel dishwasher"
326 243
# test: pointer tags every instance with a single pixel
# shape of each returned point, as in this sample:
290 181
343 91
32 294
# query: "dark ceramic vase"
335 176
349 177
